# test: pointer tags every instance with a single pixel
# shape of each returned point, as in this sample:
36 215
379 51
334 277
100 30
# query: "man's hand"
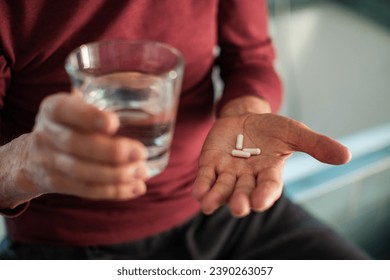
255 183
72 150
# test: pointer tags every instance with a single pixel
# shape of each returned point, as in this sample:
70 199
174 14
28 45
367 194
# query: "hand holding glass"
140 81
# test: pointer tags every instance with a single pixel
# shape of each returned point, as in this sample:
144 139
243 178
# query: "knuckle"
121 192
123 174
90 191
228 177
113 175
52 182
66 140
45 162
54 104
114 192
50 103
220 195
119 150
124 191
39 139
66 164
117 192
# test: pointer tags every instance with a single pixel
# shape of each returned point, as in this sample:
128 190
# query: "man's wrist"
244 105
16 189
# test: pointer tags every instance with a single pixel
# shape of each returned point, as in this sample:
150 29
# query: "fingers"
96 173
74 152
203 182
73 111
96 147
243 194
321 147
61 114
268 189
219 193
64 173
240 200
118 191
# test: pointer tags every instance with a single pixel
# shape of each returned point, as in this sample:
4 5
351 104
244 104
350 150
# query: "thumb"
319 146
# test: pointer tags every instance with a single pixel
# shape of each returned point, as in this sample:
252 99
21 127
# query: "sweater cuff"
14 212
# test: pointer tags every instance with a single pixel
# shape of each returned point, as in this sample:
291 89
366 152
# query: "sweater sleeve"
14 212
5 75
4 78
246 52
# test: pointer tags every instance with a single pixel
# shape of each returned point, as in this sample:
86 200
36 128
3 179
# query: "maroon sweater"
36 36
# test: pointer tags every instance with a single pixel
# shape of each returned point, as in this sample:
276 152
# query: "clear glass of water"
140 81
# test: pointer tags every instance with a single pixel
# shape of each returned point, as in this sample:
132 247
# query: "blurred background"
334 59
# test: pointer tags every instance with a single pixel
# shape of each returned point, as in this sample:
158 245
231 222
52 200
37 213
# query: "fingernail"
349 156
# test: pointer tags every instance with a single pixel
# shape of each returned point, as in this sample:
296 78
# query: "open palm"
256 182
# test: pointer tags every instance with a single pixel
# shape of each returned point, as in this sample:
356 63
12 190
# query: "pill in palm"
252 151
239 142
242 152
239 153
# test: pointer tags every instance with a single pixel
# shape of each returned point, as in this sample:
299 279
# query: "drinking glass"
140 81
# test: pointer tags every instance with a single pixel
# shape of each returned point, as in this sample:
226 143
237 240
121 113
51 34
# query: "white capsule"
252 151
239 153
240 142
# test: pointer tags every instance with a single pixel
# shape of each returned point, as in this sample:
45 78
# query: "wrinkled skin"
72 150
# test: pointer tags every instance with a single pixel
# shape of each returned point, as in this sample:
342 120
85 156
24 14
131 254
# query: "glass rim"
72 70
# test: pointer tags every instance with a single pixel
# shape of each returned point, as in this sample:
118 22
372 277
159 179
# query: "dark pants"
283 232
